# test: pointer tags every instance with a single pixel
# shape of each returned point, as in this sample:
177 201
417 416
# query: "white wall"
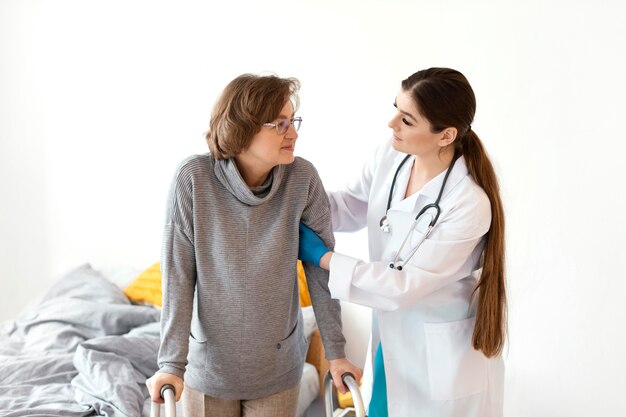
99 101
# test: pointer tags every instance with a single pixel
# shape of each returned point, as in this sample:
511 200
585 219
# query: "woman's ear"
448 136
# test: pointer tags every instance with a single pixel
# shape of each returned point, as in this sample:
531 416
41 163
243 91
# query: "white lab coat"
422 314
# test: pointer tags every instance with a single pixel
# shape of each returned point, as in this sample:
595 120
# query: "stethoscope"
384 222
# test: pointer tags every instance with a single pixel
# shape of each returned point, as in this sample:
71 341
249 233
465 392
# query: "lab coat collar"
432 187
429 192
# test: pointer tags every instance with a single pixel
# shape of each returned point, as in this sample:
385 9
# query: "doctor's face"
411 131
269 148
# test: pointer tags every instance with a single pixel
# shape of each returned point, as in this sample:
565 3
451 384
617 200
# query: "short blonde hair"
246 103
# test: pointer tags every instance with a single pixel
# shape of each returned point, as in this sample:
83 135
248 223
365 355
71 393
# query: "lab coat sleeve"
316 215
349 206
450 253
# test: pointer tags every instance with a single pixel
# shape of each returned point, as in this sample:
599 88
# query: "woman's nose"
292 133
393 123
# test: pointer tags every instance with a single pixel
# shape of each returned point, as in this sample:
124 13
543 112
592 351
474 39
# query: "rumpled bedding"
84 350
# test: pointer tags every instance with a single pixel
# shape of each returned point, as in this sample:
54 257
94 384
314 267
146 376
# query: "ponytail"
446 99
490 329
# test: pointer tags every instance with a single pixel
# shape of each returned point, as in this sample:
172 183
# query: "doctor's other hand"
156 382
311 247
338 367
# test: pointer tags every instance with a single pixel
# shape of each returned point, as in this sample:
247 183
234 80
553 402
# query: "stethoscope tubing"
384 224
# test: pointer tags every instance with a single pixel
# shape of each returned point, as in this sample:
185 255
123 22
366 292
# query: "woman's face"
411 131
268 148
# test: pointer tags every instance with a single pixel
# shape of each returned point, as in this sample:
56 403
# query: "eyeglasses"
283 125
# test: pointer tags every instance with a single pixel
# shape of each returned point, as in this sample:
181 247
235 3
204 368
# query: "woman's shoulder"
302 175
303 167
470 203
192 167
194 163
197 159
470 197
474 193
477 197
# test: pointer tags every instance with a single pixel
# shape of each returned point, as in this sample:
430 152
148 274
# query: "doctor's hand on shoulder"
312 249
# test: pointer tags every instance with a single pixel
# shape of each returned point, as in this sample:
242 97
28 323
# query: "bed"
87 348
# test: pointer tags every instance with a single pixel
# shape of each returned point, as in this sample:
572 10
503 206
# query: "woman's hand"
338 367
311 248
156 381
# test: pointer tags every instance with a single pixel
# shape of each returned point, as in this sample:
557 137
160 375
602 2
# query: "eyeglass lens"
283 125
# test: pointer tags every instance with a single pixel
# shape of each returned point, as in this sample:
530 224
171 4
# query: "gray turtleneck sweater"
231 311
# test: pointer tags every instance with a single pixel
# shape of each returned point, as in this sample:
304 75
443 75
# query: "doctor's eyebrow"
404 112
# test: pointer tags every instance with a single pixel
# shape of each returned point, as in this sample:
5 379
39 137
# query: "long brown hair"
446 99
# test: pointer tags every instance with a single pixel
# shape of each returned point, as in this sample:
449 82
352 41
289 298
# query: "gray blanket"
85 350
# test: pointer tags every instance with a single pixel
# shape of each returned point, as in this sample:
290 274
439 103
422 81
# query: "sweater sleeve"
316 215
179 276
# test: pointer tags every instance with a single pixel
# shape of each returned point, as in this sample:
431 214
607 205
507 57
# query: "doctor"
429 198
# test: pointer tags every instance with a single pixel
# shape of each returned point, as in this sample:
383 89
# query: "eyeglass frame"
291 122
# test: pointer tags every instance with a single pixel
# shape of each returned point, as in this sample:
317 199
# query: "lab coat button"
278 346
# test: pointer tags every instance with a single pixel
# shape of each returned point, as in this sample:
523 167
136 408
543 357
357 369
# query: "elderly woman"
231 323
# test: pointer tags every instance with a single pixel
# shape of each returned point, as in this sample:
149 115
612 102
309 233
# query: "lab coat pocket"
455 368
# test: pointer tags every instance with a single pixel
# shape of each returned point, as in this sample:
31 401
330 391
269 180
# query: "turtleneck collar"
228 174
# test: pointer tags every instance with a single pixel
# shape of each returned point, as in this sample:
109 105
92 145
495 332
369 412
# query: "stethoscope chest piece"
384 224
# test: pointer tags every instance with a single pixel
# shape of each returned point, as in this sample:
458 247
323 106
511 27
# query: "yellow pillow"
345 400
305 298
146 288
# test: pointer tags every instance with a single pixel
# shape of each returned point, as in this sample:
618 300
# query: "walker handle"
169 395
348 380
